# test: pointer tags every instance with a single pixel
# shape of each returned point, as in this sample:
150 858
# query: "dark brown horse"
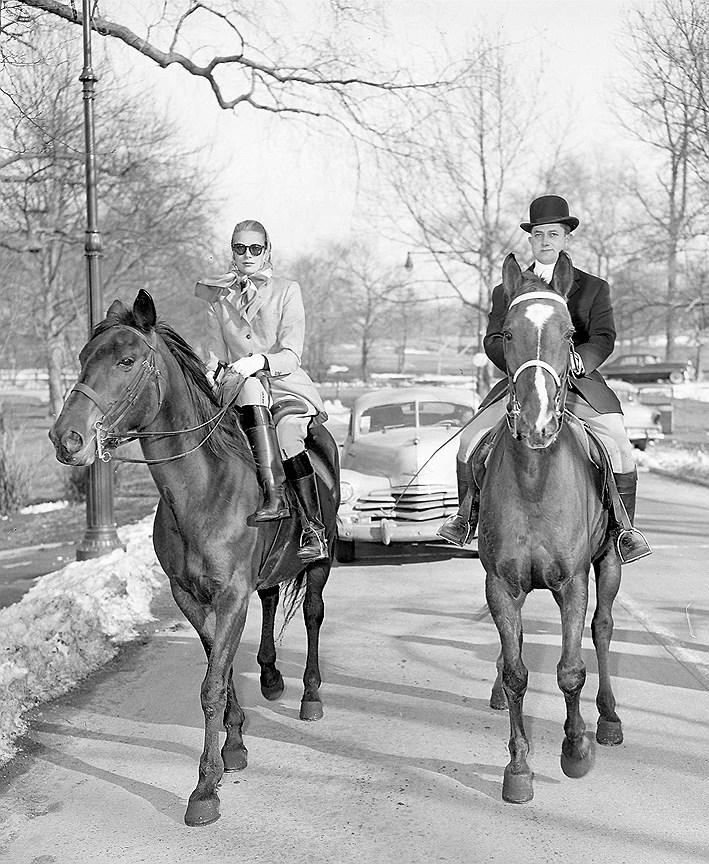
543 524
139 379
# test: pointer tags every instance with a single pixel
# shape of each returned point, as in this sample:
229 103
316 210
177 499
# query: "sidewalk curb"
673 475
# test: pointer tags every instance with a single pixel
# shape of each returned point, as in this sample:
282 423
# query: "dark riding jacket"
591 310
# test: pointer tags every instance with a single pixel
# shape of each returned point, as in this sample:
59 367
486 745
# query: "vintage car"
398 480
647 369
642 422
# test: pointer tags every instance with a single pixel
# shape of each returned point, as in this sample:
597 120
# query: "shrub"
14 476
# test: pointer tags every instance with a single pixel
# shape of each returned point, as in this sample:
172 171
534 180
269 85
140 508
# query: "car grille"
415 504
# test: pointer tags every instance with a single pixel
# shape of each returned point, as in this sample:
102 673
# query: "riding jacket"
591 310
275 328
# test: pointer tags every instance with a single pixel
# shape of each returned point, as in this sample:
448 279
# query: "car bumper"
388 531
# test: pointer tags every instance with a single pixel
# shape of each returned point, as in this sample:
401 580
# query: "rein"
561 381
114 412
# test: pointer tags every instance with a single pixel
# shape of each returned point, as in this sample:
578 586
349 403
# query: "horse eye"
126 362
507 335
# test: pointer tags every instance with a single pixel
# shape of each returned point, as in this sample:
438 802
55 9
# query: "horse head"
119 387
537 341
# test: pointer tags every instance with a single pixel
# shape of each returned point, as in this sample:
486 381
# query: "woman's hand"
248 365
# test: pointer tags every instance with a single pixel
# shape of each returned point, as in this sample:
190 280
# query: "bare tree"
460 180
153 207
326 291
247 55
662 111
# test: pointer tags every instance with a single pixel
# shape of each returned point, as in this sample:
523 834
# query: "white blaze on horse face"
539 314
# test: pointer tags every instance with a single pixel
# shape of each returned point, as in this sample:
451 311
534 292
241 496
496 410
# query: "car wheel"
676 377
345 551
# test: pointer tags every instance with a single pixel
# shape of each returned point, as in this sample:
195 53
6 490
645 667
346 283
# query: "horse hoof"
609 732
202 812
273 691
498 701
235 759
517 788
311 710
576 767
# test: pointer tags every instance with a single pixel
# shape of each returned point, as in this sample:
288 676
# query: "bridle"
561 381
107 438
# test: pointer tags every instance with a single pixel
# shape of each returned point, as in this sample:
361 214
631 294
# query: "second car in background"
642 422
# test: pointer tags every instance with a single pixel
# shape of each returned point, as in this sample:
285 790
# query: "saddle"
590 443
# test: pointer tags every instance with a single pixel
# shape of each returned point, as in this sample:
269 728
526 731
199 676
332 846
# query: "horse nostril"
72 442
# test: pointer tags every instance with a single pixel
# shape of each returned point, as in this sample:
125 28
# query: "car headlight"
346 491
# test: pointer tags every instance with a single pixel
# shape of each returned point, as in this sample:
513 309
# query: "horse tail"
292 598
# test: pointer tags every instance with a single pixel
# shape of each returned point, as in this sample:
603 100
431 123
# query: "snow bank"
69 624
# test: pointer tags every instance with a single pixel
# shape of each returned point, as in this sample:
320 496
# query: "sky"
306 187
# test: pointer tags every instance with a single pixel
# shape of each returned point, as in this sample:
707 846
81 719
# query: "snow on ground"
71 623
74 620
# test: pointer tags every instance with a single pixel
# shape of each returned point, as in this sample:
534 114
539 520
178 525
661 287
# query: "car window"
381 417
403 415
440 413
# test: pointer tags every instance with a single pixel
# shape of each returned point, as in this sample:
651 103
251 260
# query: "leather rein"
561 381
113 412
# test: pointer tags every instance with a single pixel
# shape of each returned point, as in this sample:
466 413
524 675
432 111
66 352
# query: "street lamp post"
100 536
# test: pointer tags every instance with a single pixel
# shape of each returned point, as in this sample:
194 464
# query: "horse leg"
498 700
270 679
203 805
571 674
609 730
313 613
507 614
234 753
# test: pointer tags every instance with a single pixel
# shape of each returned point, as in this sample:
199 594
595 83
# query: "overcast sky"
304 188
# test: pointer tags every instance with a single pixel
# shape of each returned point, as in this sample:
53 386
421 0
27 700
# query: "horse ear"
116 311
563 277
511 276
144 310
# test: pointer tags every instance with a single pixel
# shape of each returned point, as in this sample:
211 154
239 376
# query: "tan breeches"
609 428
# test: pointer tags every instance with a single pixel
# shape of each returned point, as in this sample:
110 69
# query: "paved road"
406 765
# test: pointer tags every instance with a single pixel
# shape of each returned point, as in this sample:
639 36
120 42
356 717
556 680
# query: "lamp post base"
97 542
101 536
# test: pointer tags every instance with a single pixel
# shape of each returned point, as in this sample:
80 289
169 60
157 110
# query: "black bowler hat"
549 209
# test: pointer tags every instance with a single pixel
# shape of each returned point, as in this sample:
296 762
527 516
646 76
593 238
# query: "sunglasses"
255 249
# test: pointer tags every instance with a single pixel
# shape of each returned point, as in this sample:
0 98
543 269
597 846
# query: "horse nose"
66 444
541 437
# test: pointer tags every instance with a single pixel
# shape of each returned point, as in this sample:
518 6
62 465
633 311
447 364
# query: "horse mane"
228 438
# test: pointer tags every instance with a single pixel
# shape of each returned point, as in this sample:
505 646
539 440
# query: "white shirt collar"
544 271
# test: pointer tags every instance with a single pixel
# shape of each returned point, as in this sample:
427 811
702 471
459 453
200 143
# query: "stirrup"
631 545
456 530
313 546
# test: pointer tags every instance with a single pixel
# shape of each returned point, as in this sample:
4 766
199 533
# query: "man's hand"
248 365
576 367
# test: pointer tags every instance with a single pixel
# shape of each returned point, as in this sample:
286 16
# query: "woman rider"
256 323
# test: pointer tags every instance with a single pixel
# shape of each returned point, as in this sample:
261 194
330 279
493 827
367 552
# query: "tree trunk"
55 356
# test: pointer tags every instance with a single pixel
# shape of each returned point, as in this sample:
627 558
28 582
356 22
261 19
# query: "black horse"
140 379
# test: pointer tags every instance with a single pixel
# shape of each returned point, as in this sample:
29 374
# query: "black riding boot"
261 434
631 543
460 529
313 542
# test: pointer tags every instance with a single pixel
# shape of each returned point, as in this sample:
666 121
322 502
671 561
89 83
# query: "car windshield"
404 414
